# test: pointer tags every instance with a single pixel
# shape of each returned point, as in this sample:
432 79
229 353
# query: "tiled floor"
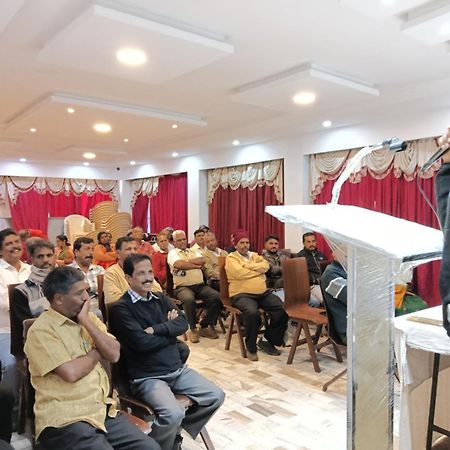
269 405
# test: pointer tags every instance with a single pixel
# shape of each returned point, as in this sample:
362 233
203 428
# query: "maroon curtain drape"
168 208
32 210
400 198
140 212
243 208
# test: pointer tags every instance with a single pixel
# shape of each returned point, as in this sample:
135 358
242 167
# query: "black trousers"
273 306
121 434
188 295
6 409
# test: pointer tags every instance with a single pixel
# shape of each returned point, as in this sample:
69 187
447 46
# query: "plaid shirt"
135 297
91 276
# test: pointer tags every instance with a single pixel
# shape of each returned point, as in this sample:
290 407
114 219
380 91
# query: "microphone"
441 151
395 144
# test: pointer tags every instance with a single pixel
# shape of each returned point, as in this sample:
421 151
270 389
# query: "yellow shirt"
246 276
115 284
184 277
54 340
211 266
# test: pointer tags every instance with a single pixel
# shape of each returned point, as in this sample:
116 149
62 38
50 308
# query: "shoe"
208 332
193 336
177 443
268 348
252 356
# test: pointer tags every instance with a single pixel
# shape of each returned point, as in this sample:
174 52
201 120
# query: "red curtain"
32 210
140 212
244 208
400 198
168 208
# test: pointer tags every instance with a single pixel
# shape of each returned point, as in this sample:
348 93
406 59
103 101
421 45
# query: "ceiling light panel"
380 9
78 46
332 89
8 10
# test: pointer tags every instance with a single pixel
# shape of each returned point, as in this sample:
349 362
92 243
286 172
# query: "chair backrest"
296 282
16 332
223 279
101 298
331 327
169 281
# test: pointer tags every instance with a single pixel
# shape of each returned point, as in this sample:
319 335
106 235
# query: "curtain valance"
328 166
145 186
12 186
249 176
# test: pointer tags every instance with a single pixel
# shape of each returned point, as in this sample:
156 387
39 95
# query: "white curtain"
145 186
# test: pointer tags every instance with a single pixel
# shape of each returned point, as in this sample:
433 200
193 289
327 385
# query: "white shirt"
158 249
9 275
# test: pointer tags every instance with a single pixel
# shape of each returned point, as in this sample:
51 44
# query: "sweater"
246 276
144 354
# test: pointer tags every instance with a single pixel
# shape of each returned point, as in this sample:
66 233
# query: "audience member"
12 270
28 300
199 240
159 258
232 248
147 326
334 285
104 251
144 247
186 266
211 252
24 236
63 252
274 276
168 232
64 348
115 283
315 261
247 287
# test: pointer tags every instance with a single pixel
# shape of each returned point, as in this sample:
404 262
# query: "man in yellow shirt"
64 347
248 292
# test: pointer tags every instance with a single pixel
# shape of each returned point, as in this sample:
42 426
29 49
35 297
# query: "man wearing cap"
247 287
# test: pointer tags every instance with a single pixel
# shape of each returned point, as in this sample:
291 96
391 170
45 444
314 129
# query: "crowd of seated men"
58 286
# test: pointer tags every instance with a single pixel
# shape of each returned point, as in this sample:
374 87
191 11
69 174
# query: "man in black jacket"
147 326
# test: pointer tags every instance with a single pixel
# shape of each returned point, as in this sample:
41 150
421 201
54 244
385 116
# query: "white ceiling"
220 70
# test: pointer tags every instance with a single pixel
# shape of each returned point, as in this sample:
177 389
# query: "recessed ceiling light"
174 126
89 155
70 110
102 127
33 130
125 140
85 163
327 123
23 159
236 142
131 56
174 154
304 98
132 163
387 2
444 29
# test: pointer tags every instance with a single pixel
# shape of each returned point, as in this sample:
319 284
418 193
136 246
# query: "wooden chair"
296 298
199 302
101 298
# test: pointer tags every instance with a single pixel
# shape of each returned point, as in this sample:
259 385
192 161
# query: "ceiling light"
23 159
387 2
304 98
236 142
327 123
131 56
33 130
70 110
444 29
125 140
174 126
85 163
89 155
102 127
174 154
132 163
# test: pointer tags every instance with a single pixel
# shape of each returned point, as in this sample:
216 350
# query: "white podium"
376 246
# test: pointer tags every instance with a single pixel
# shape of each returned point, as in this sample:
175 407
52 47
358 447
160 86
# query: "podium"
377 244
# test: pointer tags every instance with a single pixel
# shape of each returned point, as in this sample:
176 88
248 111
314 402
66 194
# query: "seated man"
168 233
28 301
211 252
334 285
186 266
199 240
144 247
64 348
115 283
147 326
274 276
315 261
248 292
159 258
